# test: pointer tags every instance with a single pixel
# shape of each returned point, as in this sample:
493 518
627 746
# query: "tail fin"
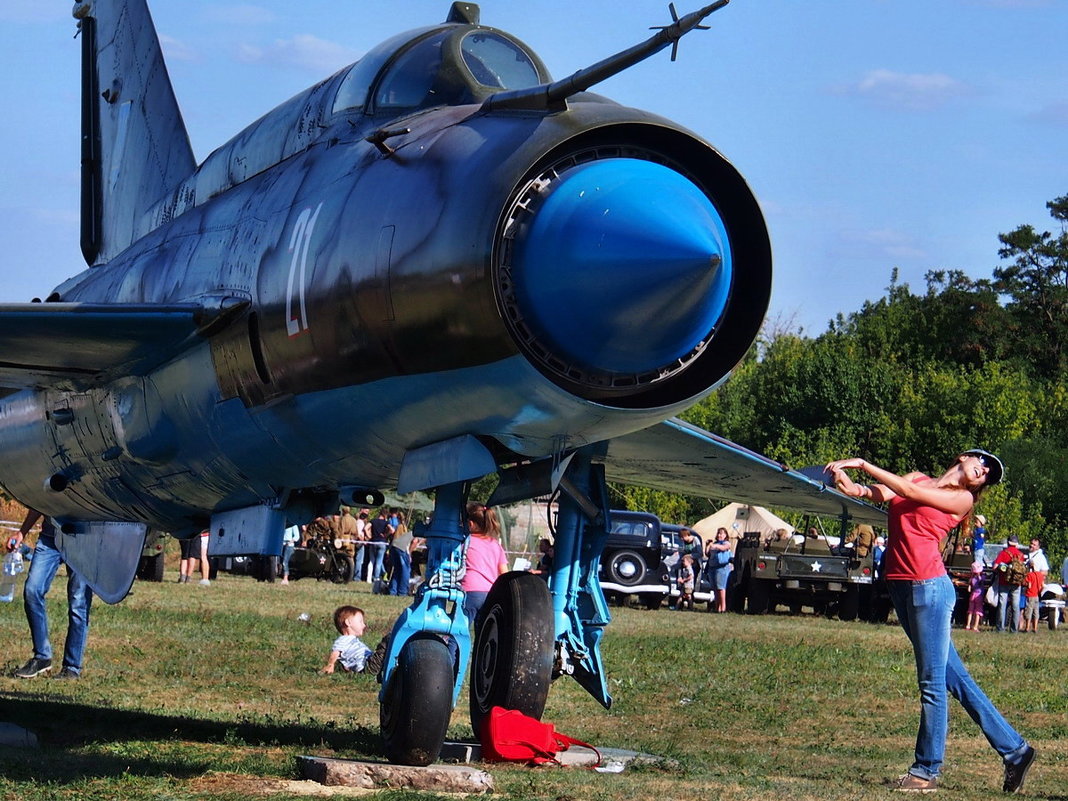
135 147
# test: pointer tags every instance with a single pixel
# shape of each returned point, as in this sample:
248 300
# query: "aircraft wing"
77 345
678 457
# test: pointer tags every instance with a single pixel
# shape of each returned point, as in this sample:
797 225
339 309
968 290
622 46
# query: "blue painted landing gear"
430 645
528 632
513 656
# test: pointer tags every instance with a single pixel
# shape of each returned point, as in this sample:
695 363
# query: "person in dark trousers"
46 561
922 511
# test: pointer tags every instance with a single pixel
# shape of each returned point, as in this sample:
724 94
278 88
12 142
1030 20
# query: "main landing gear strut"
529 631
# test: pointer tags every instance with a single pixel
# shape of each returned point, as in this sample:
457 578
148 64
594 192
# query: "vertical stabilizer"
135 147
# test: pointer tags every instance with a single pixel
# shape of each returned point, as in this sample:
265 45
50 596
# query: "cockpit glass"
496 62
415 79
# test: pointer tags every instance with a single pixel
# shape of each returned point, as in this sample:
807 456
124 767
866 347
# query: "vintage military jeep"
151 566
832 578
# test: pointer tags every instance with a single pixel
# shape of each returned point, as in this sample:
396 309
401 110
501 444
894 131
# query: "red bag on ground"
510 736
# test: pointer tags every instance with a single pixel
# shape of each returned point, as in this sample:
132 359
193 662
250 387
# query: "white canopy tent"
738 518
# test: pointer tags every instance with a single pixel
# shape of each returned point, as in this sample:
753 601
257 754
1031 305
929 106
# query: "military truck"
150 567
832 578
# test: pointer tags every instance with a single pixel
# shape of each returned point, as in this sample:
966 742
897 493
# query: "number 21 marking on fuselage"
298 246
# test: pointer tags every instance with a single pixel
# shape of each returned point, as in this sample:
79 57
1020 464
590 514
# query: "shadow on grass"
66 732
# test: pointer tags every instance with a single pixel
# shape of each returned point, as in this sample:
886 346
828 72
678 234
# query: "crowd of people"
922 511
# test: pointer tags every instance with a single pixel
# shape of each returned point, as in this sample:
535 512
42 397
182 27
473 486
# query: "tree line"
913 378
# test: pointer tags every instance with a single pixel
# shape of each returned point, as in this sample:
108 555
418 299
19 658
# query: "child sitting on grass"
348 650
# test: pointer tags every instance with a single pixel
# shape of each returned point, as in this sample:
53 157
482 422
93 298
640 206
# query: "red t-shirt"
1034 584
916 531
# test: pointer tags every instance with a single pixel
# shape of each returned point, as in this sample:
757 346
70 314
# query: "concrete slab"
381 775
613 760
16 736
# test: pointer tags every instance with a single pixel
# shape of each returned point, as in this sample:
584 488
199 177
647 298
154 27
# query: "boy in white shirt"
348 649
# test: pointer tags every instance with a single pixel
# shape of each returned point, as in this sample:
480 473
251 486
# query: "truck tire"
759 597
849 605
652 600
151 568
737 596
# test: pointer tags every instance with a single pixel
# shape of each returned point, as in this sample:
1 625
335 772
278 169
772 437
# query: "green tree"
1036 283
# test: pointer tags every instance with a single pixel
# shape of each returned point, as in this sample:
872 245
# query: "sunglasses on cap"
996 470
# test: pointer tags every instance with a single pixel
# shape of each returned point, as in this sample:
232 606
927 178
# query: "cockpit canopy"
456 65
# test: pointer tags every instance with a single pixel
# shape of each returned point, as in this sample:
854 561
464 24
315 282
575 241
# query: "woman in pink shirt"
484 558
922 511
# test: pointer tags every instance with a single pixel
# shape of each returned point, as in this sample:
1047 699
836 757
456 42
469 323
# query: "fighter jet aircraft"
434 265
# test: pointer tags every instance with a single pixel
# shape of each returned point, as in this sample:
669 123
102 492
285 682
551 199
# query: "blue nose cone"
625 267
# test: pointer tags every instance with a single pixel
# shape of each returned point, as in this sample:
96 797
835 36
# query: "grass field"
211 692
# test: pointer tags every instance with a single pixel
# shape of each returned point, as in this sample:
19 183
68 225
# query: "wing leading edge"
78 345
678 457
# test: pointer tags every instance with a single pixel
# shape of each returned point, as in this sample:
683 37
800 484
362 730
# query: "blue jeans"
287 554
473 603
400 577
378 549
925 609
46 561
1008 607
357 561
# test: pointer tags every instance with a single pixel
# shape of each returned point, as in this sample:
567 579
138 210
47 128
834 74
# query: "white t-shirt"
1038 559
353 652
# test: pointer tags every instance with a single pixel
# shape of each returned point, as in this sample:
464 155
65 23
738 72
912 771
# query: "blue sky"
876 133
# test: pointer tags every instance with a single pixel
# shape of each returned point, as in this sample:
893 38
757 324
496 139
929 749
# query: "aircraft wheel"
417 704
513 652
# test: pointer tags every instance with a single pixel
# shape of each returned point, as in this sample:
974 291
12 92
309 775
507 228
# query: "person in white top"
1037 559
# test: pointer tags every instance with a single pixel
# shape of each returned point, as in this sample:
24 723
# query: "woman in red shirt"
922 511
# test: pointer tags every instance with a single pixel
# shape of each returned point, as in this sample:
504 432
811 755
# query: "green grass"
211 692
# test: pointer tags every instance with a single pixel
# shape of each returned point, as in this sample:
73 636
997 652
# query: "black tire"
759 597
343 569
513 653
269 568
652 600
151 568
738 596
849 606
417 704
626 567
1053 618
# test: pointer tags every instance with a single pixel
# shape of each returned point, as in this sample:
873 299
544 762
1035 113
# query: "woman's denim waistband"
918 582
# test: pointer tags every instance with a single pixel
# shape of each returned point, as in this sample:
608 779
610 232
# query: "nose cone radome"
624 269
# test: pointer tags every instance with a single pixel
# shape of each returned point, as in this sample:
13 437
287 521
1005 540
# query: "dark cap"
993 463
1013 540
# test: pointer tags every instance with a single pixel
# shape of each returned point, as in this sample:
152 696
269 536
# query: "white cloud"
176 49
304 51
911 91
